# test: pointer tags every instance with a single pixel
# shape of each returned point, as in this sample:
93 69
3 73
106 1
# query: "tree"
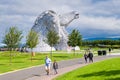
32 40
12 39
75 39
52 39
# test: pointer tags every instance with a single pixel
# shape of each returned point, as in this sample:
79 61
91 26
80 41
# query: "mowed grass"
23 60
104 70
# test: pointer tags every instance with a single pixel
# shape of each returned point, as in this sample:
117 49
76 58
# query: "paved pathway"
38 72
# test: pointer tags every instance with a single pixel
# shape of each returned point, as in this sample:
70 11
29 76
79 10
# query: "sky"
97 18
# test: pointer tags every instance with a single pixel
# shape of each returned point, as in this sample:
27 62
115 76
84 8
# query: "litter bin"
104 52
33 53
99 53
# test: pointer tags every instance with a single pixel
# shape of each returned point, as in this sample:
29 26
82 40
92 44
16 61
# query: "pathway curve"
38 72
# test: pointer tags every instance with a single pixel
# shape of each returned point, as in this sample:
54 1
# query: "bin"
99 53
33 53
104 52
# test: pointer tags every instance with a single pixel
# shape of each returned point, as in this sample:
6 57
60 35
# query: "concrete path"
38 72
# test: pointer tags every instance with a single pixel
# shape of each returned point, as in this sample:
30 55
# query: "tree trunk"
74 51
31 54
51 53
10 56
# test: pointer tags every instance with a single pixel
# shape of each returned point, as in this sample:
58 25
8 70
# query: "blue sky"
98 18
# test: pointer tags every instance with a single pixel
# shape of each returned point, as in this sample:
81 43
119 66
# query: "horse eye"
77 14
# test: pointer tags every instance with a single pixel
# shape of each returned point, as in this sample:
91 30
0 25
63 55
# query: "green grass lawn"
95 50
23 60
104 70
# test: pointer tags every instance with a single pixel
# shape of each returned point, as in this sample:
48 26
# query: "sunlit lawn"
23 60
105 70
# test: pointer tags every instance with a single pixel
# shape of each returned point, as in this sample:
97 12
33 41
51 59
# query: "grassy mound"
105 70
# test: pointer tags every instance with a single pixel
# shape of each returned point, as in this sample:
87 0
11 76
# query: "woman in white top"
47 65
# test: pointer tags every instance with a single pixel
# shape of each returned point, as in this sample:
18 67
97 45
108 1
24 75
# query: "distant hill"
101 38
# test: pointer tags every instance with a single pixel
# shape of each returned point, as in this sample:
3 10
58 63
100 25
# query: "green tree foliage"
12 39
101 42
32 40
75 39
52 39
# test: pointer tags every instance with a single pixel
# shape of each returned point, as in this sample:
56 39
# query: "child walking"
55 66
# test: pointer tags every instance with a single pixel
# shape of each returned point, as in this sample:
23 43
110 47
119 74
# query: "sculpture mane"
50 20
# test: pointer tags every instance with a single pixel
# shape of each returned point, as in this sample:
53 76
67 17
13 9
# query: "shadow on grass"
102 73
118 78
2 64
18 62
61 56
36 59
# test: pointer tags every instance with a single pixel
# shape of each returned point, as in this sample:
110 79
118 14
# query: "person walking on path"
85 57
55 66
47 65
109 50
90 56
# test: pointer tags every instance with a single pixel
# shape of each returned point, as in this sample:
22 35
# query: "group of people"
88 55
55 64
48 65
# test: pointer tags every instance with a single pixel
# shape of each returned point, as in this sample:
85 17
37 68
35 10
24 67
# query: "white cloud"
94 14
101 23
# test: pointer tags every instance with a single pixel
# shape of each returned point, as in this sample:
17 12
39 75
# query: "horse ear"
52 11
46 12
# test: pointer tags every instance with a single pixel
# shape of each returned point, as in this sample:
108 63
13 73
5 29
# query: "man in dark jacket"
90 56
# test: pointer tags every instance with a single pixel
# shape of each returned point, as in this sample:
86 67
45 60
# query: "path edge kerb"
32 67
86 65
